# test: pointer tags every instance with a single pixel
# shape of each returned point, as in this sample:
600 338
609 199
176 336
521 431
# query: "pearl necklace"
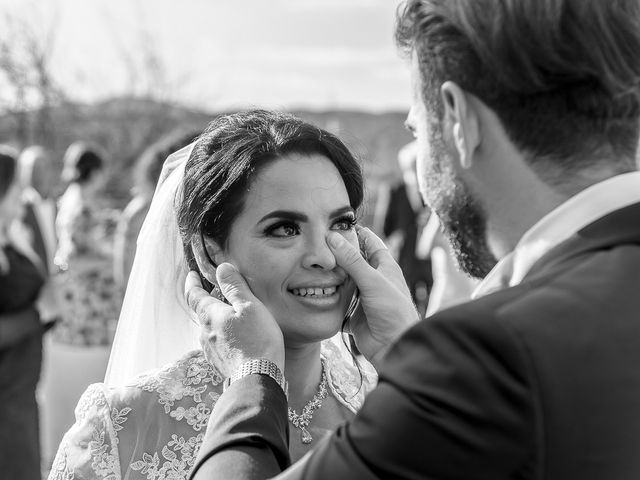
302 420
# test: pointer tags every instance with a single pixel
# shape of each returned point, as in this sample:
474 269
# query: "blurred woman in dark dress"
24 305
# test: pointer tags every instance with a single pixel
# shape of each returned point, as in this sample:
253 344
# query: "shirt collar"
557 226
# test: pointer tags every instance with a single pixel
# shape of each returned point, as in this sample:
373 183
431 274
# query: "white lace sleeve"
89 450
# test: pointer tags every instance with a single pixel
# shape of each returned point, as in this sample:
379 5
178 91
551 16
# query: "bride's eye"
345 223
282 230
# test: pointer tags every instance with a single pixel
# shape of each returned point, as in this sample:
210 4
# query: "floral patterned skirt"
90 303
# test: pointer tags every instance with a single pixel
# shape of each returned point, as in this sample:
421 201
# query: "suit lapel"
617 228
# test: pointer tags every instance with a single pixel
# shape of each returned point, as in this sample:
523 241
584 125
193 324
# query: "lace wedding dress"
153 428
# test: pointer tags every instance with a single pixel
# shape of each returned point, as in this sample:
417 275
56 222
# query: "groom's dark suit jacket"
32 202
538 381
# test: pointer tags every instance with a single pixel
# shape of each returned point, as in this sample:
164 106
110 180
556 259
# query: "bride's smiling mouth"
318 295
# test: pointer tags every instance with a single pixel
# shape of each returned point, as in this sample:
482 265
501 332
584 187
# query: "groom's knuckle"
212 338
353 258
237 289
204 319
246 308
206 311
193 299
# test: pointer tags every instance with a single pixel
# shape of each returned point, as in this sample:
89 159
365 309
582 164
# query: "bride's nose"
317 254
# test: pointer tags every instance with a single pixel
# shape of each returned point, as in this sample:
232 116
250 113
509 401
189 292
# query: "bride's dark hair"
229 154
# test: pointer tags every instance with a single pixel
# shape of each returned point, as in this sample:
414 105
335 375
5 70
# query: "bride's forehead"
298 180
297 174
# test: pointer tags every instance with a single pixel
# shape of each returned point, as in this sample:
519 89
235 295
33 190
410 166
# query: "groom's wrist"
259 366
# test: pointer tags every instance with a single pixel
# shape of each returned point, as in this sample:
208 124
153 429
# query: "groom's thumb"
233 285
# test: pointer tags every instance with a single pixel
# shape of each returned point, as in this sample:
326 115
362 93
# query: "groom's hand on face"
386 307
233 334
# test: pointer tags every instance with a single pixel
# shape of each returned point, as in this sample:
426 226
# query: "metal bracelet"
260 366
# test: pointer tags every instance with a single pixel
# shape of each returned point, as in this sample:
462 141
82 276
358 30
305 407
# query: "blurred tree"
28 90
35 109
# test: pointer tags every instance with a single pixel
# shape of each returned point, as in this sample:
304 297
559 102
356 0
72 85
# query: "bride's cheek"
264 274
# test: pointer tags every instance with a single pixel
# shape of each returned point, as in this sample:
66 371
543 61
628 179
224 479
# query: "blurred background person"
25 304
78 352
38 179
146 173
401 217
85 253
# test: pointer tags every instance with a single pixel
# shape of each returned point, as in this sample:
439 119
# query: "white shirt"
559 225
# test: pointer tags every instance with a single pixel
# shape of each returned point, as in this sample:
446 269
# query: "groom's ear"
205 252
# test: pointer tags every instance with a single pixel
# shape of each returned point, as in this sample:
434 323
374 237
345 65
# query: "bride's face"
279 244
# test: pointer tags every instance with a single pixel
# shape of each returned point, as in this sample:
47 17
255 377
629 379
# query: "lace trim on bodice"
192 376
187 391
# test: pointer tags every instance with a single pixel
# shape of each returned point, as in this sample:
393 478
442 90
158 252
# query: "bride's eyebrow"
341 211
285 215
301 217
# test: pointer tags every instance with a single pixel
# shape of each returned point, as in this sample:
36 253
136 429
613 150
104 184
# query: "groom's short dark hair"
563 76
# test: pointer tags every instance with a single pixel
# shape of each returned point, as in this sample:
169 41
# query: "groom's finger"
193 290
374 248
377 253
233 285
197 297
350 258
192 280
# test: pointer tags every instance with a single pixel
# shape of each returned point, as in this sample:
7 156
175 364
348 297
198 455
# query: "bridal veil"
155 326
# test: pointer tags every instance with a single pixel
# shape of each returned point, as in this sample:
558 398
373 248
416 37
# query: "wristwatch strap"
260 366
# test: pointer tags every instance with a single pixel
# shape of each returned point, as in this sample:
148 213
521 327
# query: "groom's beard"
462 217
464 224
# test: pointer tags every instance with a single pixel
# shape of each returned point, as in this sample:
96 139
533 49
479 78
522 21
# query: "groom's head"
518 100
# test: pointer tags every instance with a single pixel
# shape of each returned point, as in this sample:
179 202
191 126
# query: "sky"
222 54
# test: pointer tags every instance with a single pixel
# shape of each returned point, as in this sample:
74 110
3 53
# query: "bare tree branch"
26 76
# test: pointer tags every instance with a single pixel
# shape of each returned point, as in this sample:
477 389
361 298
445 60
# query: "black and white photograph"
319 239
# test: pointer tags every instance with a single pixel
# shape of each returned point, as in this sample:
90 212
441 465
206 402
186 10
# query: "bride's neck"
302 369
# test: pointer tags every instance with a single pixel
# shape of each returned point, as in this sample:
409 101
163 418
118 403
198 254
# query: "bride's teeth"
306 291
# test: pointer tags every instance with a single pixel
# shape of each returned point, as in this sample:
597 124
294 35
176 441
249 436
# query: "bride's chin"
316 330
